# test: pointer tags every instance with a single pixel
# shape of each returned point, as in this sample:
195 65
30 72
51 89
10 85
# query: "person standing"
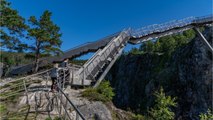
54 76
65 63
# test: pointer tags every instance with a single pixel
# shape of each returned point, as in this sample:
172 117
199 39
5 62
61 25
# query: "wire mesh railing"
159 28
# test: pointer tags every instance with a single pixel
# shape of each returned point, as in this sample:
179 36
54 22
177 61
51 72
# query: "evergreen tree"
168 44
148 47
134 51
161 110
12 27
46 35
157 46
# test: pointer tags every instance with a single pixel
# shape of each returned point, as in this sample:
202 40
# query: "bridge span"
132 36
107 50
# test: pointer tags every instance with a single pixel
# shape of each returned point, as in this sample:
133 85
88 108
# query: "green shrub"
161 110
103 92
206 116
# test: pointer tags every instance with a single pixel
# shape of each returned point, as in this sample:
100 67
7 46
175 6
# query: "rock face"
187 76
90 110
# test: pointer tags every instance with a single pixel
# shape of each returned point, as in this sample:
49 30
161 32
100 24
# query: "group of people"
55 74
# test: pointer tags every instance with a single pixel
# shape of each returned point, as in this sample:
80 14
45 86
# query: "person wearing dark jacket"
54 75
64 63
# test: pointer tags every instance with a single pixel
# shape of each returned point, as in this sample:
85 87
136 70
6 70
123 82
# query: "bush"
103 92
161 110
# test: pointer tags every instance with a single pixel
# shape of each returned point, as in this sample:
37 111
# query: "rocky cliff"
187 75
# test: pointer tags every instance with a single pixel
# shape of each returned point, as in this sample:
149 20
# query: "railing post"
26 92
75 108
83 76
65 117
77 116
70 78
64 80
47 80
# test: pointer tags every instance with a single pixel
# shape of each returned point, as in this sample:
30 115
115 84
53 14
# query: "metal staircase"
95 69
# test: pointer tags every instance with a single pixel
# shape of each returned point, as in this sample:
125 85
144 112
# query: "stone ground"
91 110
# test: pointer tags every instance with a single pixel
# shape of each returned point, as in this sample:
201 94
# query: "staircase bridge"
107 51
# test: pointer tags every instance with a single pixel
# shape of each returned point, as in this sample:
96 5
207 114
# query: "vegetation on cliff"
162 108
180 63
103 92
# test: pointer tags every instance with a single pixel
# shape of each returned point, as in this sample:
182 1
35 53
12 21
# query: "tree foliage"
148 47
46 35
161 109
12 27
206 116
135 51
168 44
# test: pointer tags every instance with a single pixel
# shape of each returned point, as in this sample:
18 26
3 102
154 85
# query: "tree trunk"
36 64
37 53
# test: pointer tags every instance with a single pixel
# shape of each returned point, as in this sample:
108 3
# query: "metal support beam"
203 38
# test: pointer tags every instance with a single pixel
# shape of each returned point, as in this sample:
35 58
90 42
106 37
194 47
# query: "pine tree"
46 35
12 27
161 110
148 47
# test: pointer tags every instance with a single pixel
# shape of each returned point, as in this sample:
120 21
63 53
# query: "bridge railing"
65 103
144 31
203 19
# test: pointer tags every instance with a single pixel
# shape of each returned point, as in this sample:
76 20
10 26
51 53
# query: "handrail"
144 31
76 109
112 42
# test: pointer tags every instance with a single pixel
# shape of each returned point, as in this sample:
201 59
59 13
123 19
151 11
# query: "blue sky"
89 20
